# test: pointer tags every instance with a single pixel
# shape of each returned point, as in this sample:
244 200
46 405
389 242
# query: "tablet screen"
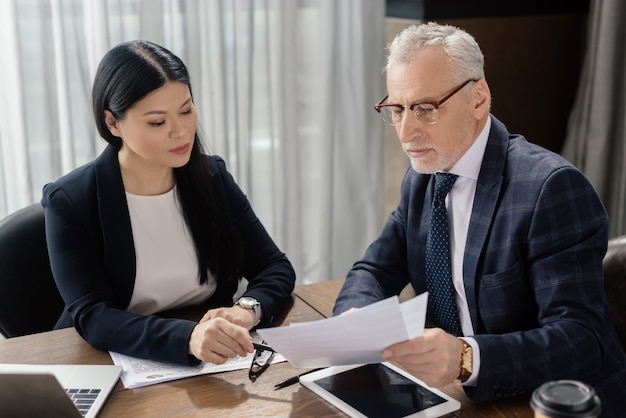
377 390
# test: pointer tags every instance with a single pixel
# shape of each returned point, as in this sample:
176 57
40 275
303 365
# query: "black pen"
264 347
293 380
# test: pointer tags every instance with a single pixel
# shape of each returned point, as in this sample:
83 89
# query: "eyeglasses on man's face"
426 112
260 362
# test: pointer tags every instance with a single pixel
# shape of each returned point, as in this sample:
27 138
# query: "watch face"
249 303
467 360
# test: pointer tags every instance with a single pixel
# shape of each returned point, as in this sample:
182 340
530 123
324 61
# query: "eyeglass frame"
253 372
434 104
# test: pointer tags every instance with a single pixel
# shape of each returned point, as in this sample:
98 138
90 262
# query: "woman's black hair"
129 72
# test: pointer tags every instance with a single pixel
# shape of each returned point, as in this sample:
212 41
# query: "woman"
153 224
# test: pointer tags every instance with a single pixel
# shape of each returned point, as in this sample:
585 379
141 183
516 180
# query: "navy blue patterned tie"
438 271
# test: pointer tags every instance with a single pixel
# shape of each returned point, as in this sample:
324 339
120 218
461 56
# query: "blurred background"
285 92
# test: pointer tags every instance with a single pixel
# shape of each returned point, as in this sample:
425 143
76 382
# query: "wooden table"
320 296
228 394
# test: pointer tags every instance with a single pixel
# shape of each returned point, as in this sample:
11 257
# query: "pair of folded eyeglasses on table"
263 355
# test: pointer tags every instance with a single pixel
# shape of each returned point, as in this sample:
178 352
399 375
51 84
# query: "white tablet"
378 390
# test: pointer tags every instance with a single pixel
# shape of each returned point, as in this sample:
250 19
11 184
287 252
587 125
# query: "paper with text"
139 372
354 338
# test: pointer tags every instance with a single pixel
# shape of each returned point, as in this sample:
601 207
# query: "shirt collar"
469 164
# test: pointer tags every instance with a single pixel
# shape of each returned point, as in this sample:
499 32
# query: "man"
527 234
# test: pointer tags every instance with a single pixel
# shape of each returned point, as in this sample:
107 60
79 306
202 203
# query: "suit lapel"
487 191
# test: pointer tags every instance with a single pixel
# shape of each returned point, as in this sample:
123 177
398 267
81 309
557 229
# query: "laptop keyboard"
83 398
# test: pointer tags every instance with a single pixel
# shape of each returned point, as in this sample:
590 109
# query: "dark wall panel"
457 9
533 65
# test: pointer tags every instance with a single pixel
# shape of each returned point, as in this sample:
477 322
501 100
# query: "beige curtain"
596 141
284 90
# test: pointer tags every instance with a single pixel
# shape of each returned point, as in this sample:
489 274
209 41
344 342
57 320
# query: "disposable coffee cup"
565 399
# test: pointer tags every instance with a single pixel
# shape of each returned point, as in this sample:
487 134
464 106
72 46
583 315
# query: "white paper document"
354 338
139 372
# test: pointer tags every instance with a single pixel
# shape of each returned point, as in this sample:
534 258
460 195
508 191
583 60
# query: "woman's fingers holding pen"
216 340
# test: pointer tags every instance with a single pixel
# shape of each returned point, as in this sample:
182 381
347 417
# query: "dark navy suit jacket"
92 255
532 271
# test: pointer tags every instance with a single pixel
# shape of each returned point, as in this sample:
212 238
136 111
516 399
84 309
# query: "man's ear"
112 123
482 98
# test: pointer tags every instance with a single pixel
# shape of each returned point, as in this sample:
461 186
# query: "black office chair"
614 265
29 299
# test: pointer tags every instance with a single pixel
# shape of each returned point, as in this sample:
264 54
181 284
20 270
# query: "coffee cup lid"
566 399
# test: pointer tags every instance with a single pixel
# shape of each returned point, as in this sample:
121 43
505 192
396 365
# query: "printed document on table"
354 338
139 372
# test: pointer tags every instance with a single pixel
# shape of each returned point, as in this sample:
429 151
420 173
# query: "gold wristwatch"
466 362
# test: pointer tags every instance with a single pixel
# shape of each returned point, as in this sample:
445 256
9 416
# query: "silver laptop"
28 390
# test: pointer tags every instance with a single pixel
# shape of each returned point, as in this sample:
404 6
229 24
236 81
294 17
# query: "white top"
167 267
459 203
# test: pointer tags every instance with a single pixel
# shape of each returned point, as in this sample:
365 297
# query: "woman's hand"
216 339
237 315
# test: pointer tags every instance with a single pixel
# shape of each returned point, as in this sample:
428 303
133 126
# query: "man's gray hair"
464 55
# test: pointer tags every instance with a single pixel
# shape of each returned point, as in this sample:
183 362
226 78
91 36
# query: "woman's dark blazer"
92 255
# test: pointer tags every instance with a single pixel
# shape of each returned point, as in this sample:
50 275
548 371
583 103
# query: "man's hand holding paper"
433 357
359 337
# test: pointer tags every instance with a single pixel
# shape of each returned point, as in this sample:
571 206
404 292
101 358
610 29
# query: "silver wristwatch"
250 303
